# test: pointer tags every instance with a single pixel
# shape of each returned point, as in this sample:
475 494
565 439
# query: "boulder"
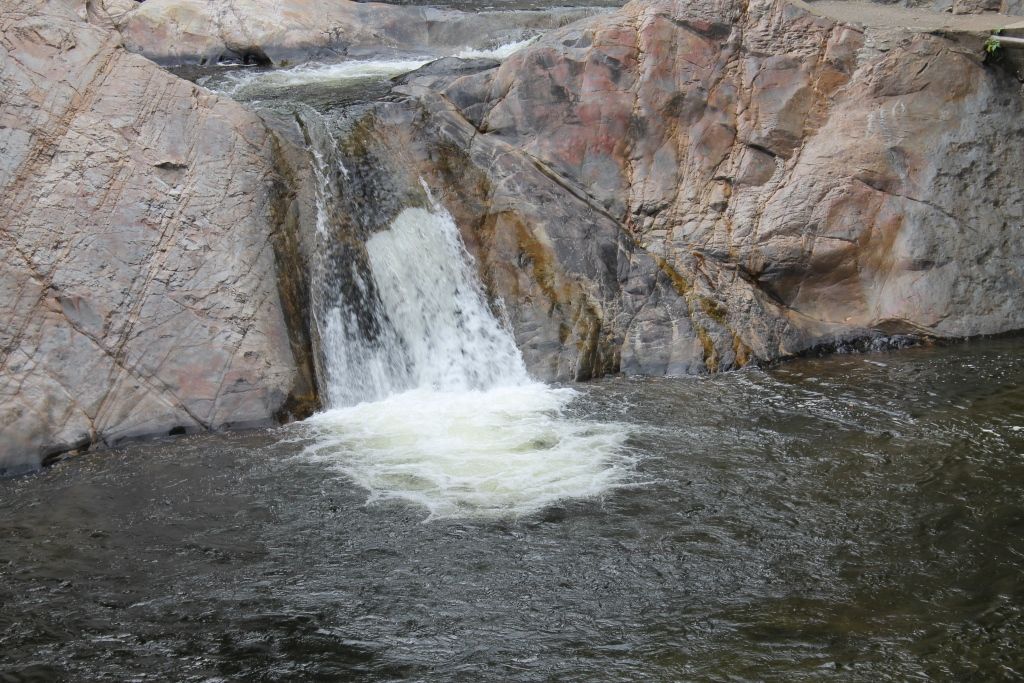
142 225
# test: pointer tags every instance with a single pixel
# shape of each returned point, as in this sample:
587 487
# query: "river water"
857 517
448 518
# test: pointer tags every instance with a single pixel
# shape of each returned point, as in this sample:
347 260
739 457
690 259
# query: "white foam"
500 52
507 451
241 84
247 82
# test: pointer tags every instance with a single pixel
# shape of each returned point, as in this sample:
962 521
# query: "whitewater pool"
854 518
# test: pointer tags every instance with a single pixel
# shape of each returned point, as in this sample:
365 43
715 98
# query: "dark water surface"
854 518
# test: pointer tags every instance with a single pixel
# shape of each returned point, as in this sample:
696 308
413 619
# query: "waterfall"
427 397
435 328
430 401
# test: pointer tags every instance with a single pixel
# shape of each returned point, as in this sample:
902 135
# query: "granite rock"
141 225
685 187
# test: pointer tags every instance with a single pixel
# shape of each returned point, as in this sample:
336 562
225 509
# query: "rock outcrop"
689 186
141 221
271 31
677 187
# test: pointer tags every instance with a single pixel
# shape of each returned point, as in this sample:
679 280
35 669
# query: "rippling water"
857 517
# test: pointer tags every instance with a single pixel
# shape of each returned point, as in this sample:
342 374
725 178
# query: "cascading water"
438 331
428 399
437 407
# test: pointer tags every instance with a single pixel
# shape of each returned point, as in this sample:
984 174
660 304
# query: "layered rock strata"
142 221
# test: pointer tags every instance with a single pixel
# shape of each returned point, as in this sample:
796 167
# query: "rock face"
141 220
207 31
689 186
678 187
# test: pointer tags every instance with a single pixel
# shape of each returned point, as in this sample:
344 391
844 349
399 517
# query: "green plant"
992 44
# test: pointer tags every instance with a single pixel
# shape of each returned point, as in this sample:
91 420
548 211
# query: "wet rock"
142 226
444 69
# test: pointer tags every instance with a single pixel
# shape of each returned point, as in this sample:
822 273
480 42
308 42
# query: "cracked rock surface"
141 221
683 187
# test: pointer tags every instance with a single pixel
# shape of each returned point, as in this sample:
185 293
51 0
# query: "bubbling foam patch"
246 84
500 52
504 452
